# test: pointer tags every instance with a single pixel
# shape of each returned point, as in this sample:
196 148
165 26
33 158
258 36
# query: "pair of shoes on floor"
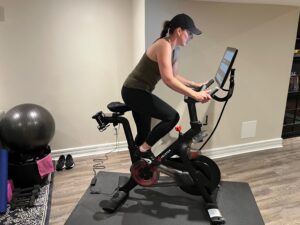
148 156
65 162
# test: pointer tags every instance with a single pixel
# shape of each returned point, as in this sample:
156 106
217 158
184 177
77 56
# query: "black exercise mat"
163 205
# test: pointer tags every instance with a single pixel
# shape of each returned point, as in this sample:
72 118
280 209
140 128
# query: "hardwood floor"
274 177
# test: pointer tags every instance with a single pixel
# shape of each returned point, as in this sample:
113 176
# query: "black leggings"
145 106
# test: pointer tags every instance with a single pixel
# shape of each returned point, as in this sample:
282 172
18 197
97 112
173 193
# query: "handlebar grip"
210 82
213 91
205 86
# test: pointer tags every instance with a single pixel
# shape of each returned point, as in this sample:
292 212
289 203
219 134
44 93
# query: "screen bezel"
221 82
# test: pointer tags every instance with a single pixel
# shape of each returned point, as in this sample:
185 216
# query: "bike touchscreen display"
225 66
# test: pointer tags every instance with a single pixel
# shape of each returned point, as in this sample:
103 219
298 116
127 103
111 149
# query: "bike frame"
181 169
164 162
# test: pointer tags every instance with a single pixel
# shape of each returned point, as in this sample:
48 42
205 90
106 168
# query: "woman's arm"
163 54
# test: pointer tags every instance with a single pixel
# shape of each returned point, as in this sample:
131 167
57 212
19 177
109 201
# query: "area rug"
37 215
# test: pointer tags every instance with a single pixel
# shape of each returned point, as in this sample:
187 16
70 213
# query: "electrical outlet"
248 129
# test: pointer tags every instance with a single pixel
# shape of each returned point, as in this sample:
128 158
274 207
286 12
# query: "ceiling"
273 2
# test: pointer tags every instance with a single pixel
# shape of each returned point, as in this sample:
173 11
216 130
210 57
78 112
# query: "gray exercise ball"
27 127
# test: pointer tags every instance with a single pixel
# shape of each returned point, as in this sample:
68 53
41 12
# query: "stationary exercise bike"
195 174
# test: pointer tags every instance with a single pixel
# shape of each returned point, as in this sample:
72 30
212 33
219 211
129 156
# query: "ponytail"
165 30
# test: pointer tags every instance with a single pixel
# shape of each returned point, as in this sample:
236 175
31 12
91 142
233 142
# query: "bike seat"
118 107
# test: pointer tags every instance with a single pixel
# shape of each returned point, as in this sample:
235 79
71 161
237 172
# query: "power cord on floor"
98 164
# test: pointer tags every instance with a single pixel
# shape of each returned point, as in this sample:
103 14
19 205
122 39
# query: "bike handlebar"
204 86
213 91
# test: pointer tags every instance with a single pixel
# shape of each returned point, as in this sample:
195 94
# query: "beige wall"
265 36
69 56
72 56
138 13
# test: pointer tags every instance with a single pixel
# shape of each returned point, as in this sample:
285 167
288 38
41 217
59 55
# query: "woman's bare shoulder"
158 47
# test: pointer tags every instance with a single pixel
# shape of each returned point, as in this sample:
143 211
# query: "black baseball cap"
184 21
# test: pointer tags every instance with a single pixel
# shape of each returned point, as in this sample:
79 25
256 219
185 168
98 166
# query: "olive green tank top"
146 73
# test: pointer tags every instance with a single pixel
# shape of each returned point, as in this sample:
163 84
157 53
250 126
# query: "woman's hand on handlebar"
202 96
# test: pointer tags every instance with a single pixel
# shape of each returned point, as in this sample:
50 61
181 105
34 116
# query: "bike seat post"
192 112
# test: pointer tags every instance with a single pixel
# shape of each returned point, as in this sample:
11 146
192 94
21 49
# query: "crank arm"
168 171
169 182
179 177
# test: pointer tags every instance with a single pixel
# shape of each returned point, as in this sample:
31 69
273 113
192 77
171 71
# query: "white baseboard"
243 148
213 153
90 150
